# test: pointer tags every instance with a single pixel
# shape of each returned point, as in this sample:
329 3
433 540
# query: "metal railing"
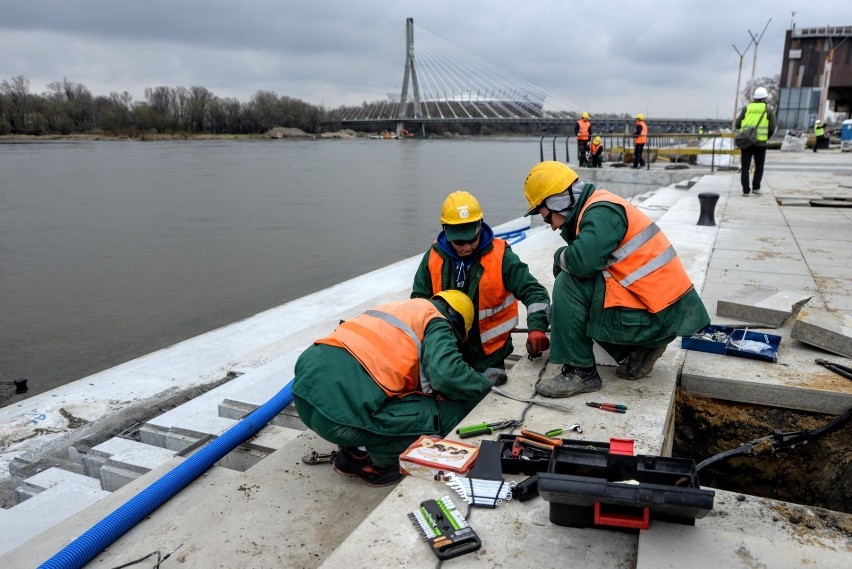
677 147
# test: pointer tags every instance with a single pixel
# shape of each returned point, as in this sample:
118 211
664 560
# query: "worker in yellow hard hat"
467 256
382 379
640 138
596 153
583 132
618 282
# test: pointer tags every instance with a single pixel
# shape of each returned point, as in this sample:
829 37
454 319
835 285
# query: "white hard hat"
760 93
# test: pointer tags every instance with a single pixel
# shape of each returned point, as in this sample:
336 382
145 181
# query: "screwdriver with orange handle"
611 407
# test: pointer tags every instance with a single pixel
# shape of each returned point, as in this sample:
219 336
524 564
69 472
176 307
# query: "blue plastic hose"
514 236
83 549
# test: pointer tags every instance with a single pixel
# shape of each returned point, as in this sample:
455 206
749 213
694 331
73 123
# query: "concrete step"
50 478
43 511
119 461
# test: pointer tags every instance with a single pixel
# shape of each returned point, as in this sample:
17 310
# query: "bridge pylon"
409 76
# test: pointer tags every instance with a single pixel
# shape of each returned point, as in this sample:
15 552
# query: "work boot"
354 463
757 191
639 363
570 381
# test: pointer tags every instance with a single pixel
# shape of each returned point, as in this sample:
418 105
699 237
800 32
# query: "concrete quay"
274 510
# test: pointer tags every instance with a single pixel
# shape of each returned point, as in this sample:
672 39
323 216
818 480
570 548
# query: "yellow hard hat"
585 115
461 303
460 207
640 117
597 140
547 179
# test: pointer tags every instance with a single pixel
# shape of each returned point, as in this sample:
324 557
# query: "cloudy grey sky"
666 58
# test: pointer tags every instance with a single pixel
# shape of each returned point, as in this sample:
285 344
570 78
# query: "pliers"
485 428
837 368
612 407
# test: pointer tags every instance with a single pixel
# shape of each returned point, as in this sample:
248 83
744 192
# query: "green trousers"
411 416
572 313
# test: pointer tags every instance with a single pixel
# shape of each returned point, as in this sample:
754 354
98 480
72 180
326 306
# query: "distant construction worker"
386 377
583 132
468 257
640 137
759 115
618 282
819 134
596 153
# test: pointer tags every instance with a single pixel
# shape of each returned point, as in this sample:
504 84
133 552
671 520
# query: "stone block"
830 331
762 305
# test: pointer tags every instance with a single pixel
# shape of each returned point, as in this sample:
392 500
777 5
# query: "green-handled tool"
485 428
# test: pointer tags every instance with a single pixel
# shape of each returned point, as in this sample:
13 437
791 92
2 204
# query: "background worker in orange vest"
640 137
618 282
468 257
596 153
583 132
386 377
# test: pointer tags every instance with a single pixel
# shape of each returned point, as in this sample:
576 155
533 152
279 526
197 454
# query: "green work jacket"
603 226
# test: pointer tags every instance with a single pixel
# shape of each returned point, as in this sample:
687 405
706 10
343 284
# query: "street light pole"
737 94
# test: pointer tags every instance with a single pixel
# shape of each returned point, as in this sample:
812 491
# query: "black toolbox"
614 488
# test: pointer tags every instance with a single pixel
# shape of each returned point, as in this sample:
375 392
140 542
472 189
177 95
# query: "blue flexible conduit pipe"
83 549
514 236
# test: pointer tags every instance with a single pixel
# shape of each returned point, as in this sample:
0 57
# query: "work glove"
537 342
496 376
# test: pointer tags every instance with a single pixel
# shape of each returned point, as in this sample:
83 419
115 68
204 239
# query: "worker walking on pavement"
819 134
618 282
583 132
640 137
386 377
467 256
756 114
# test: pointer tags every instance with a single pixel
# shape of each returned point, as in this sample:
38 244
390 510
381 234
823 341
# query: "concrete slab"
50 478
830 331
763 305
41 513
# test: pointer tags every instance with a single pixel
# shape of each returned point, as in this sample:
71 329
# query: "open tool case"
739 342
614 488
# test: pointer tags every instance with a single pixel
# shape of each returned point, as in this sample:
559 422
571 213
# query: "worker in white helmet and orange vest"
619 282
583 132
467 256
384 378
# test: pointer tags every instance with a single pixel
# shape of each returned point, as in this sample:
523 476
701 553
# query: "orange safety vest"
594 148
583 133
497 307
644 271
642 137
386 342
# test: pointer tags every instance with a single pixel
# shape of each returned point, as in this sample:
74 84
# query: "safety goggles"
463 242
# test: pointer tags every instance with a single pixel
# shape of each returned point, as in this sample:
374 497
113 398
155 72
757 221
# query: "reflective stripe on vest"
583 132
386 341
644 272
642 137
497 307
753 114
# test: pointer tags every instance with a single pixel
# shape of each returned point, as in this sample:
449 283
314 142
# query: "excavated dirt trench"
818 473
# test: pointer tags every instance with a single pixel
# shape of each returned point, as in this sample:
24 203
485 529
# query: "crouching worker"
383 379
618 281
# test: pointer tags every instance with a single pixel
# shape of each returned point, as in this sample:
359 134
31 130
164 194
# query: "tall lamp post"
756 42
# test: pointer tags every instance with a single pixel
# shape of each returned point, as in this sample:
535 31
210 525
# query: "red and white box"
434 458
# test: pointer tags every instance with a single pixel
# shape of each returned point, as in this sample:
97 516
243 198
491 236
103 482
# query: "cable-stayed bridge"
444 84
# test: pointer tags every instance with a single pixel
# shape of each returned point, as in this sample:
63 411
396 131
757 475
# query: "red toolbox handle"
622 519
621 446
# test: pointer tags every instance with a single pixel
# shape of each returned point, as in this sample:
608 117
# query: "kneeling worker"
466 256
618 281
383 379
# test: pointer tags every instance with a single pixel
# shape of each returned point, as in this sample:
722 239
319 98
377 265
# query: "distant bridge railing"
676 147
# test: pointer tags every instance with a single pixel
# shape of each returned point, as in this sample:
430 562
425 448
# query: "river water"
111 250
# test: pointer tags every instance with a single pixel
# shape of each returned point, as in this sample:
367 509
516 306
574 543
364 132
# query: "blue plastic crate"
741 342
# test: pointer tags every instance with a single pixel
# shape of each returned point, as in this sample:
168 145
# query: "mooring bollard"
708 207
